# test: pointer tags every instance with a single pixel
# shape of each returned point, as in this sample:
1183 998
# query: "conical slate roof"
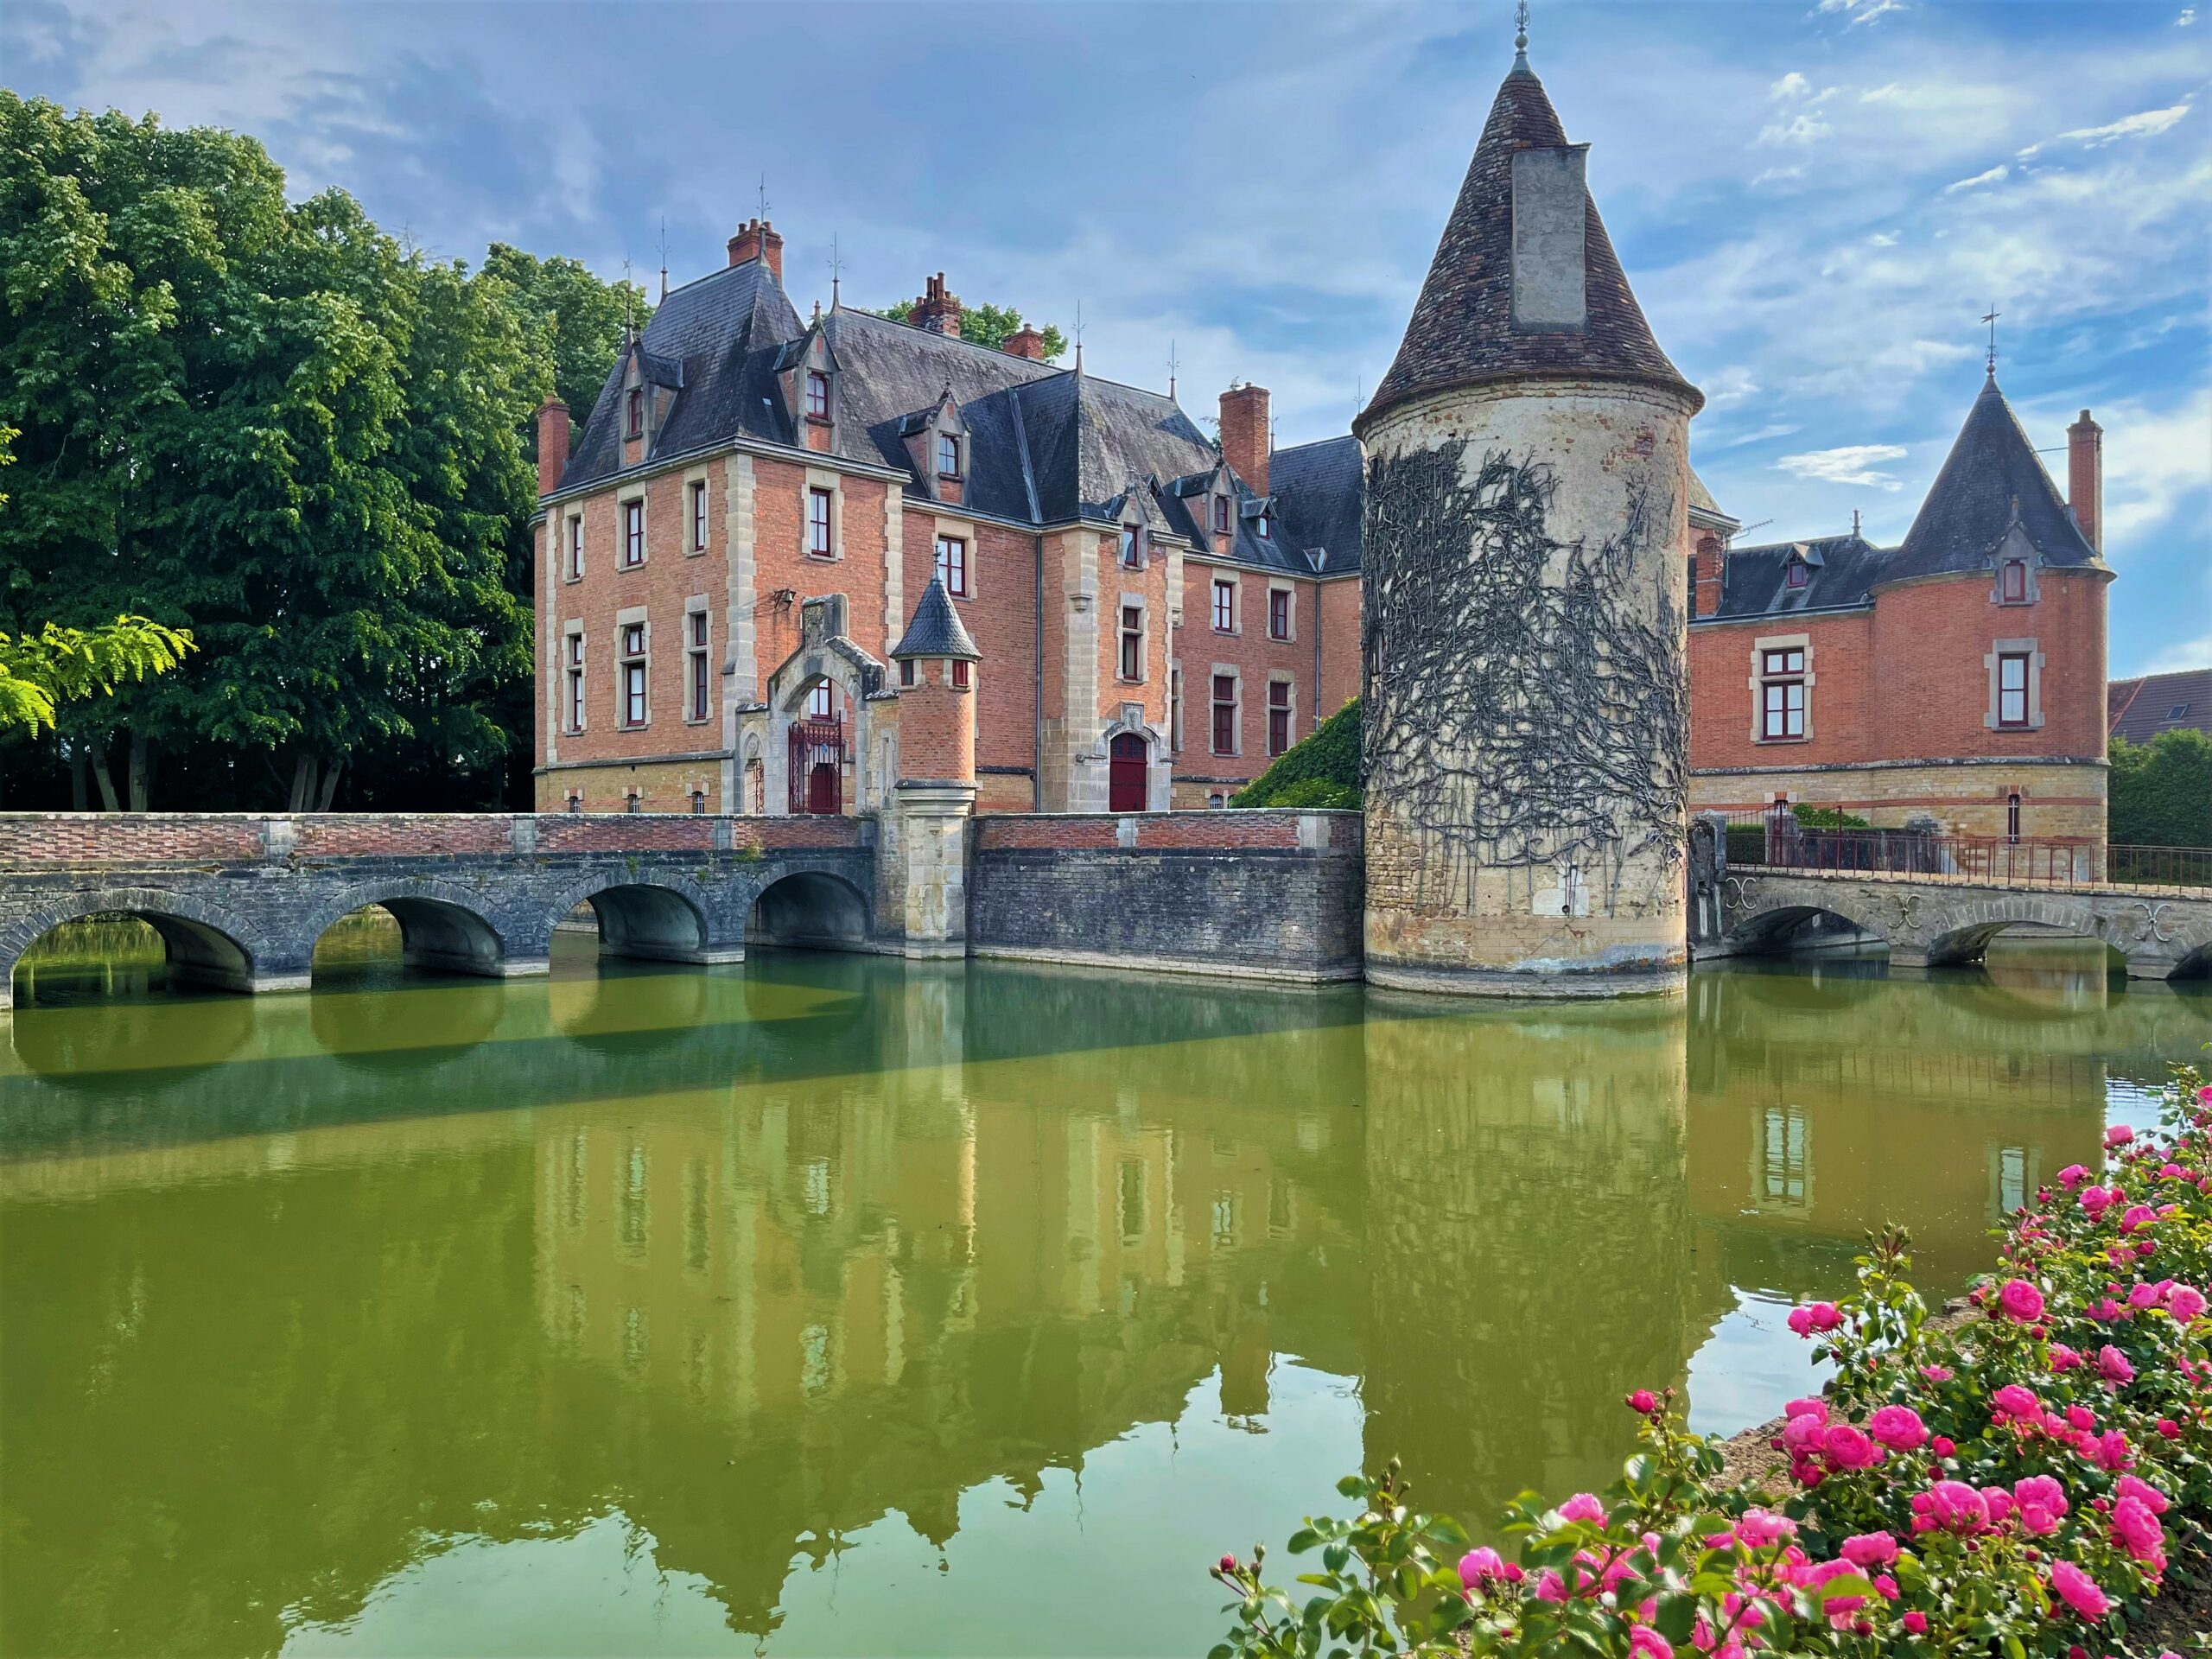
1990 481
1462 331
936 630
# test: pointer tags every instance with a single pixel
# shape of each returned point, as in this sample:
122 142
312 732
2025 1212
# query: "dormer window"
636 411
1260 526
1798 576
817 394
1221 515
2012 582
1130 557
948 456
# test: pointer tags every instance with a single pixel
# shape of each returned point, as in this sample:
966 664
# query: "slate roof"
1045 446
1706 508
1992 490
2139 709
937 629
1462 331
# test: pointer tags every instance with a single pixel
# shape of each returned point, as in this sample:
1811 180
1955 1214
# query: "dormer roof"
1992 484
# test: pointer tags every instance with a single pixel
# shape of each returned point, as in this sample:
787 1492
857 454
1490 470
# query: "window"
1133 642
576 801
817 394
633 534
1279 613
2012 816
2012 587
631 802
697 664
817 701
960 673
2012 689
1260 526
817 523
948 456
1784 1168
1175 709
576 548
1781 695
636 411
1224 714
575 681
698 802
699 515
633 674
1225 607
906 671
952 565
1129 546
1693 589
1221 515
1278 716
1799 574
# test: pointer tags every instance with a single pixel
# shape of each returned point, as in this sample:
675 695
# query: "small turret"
936 795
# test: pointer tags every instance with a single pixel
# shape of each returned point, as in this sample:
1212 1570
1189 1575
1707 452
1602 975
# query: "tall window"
1225 607
1224 714
2013 587
1175 709
2012 816
636 411
1260 526
960 667
2012 689
948 456
1782 693
906 671
818 701
1278 716
1279 613
633 533
1129 546
699 515
1798 573
1132 642
697 663
817 394
952 565
817 523
633 674
576 548
575 681
1221 515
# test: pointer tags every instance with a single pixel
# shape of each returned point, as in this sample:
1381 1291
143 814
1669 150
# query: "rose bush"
2012 1483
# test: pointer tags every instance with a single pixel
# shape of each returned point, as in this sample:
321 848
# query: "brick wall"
1257 657
936 723
999 612
362 834
94 837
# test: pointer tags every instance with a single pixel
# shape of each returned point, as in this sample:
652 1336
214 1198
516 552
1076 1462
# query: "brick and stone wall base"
2060 800
1249 894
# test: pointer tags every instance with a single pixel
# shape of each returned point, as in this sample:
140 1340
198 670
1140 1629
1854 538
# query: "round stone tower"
1526 694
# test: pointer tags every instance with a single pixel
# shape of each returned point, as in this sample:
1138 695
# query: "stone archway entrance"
1125 774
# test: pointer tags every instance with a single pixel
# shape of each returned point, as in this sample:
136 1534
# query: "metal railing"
1779 841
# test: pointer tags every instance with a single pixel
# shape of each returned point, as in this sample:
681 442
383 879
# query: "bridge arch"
443 927
812 907
204 945
1964 934
1760 922
660 915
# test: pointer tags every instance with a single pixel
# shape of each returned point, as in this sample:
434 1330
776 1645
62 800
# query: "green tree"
990 325
2162 790
1322 770
55 663
571 316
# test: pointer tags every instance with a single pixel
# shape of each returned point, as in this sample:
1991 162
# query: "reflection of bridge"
1932 920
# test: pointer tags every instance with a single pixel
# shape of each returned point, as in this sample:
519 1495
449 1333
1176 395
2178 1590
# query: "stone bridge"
1935 921
240 900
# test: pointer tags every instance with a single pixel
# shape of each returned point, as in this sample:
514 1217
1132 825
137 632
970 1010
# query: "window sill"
1280 639
1777 742
641 726
950 478
695 552
821 558
571 581
817 420
631 565
698 720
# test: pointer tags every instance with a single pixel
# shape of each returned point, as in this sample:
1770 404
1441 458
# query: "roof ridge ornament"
1521 36
1990 317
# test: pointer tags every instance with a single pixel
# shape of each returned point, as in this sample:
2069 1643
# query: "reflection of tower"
1529 1237
1526 628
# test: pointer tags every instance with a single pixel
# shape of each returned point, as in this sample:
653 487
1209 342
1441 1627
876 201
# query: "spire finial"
1990 317
764 199
1172 366
836 269
663 256
1521 32
1078 336
629 298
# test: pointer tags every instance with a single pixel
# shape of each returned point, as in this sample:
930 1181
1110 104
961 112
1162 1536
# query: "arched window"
2012 815
2014 582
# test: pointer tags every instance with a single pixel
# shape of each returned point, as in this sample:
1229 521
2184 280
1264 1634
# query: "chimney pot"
937 310
1245 431
757 240
1025 341
552 444
2085 480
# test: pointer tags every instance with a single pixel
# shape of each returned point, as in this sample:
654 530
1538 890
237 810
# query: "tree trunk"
100 775
303 781
142 766
330 786
80 787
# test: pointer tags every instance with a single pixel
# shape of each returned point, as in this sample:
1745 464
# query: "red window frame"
818 706
818 522
1224 714
576 682
2014 582
1132 643
2012 700
1221 515
698 515
575 547
1224 607
952 565
633 534
1278 716
817 394
1798 575
1277 614
699 676
960 666
637 409
1781 695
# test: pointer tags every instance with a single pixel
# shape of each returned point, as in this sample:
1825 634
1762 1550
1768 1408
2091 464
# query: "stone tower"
1526 684
935 795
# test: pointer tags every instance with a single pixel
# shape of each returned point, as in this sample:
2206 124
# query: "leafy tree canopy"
1320 771
42 668
990 325
2162 790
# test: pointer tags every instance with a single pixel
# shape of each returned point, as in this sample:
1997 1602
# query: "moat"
832 1303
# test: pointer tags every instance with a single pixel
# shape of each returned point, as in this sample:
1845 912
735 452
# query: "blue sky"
1814 199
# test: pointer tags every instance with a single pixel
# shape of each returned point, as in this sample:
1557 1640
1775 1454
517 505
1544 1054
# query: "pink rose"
2096 1200
2014 1400
1643 1640
2144 1493
2119 1135
2112 1451
1941 1445
1848 1448
1870 1549
2184 1302
2041 1491
1898 1428
1815 1409
2072 1176
2136 1530
2081 1417
1802 1434
1957 1507
1480 1566
1759 1527
1937 1373
1582 1506
2112 1365
1915 1623
1643 1402
2021 1301
2063 1358
2079 1591
2137 1215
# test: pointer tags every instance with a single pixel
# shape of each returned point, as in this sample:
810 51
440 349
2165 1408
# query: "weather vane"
663 256
1078 336
1990 317
1172 366
1521 27
763 198
836 269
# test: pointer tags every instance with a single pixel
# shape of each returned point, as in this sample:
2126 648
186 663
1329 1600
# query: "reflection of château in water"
759 1256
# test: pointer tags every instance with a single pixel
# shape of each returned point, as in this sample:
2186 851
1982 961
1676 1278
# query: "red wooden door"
1125 780
822 790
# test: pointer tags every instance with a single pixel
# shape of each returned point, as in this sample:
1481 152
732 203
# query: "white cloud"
2155 460
2147 124
1862 11
1802 128
2188 17
1792 84
2177 658
1772 173
1851 463
1995 175
1883 239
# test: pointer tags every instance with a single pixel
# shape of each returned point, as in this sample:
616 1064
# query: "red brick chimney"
552 444
937 310
757 240
1025 341
1244 434
2085 479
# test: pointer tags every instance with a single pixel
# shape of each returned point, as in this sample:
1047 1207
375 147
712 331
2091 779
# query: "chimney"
1244 434
757 240
937 310
2085 480
1025 341
552 444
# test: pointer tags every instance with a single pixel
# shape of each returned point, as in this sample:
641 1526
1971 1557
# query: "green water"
833 1305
